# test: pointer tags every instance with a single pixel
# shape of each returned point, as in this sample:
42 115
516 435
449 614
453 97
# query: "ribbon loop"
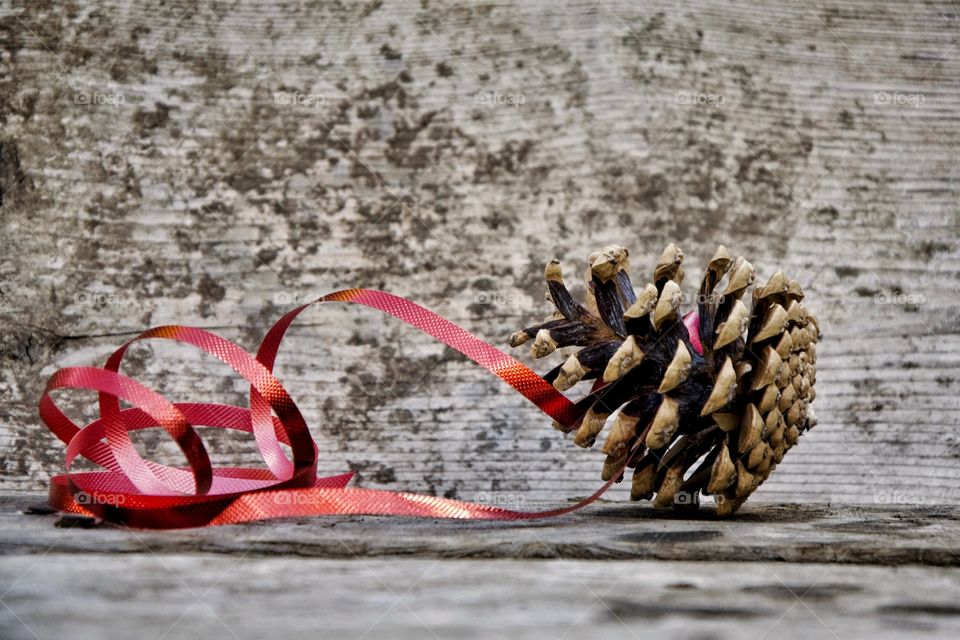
140 493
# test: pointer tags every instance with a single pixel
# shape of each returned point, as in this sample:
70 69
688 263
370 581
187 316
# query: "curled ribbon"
140 493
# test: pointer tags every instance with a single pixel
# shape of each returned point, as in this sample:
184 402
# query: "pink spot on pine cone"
692 322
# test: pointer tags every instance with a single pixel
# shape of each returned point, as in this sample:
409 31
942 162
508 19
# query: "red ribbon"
140 493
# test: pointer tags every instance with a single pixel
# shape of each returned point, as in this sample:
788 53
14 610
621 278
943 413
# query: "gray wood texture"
214 163
181 596
204 596
768 533
775 571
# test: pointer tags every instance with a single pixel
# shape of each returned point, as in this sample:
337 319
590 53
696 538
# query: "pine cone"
716 397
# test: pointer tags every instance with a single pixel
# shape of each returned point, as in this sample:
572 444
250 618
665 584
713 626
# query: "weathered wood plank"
264 155
769 533
195 596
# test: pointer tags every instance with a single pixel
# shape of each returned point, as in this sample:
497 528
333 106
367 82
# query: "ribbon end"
335 482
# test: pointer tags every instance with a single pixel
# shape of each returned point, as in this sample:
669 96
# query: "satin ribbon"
139 493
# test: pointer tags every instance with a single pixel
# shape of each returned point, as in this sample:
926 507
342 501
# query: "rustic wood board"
790 571
202 596
214 163
769 533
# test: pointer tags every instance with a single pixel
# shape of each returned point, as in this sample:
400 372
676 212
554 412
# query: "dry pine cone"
716 397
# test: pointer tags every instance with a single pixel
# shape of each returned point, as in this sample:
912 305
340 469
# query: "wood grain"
783 571
213 164
762 533
191 596
179 596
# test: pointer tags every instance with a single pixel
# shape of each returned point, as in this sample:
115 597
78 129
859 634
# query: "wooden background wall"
214 163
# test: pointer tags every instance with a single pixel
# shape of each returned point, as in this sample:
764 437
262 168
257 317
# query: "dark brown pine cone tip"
716 397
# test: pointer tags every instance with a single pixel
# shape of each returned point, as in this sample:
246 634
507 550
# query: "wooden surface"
775 571
767 533
216 163
179 596
212 164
